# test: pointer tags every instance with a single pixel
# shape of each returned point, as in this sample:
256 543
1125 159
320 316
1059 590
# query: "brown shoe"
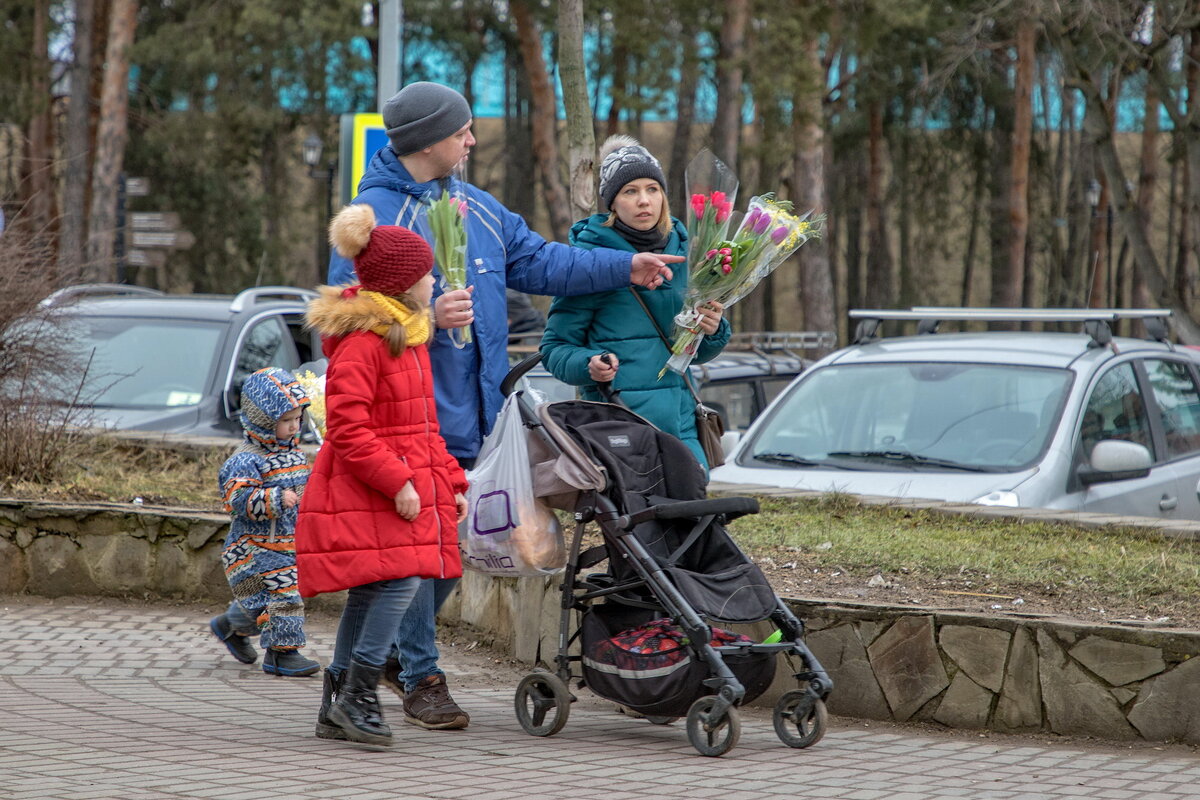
430 706
390 677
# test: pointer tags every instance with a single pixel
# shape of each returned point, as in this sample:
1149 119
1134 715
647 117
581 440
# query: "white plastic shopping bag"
508 531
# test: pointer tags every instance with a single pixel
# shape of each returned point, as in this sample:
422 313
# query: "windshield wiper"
905 457
798 461
787 458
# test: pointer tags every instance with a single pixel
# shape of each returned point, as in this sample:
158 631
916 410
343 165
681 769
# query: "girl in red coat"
382 506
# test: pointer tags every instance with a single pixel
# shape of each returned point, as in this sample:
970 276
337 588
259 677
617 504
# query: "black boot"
326 728
356 710
239 646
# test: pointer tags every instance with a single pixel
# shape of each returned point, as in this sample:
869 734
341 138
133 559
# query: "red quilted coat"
382 431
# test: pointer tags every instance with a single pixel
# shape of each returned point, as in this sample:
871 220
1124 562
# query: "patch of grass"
105 468
838 533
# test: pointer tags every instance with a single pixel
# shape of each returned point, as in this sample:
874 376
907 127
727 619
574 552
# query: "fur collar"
333 315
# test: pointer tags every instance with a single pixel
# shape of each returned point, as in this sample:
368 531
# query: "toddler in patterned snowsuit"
261 485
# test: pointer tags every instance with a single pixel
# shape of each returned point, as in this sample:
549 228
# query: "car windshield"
914 416
144 363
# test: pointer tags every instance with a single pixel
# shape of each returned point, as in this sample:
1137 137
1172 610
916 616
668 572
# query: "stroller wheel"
712 737
800 718
542 695
661 720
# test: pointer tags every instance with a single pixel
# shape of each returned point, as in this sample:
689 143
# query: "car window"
907 416
307 342
142 363
773 386
1178 405
1115 410
733 400
266 344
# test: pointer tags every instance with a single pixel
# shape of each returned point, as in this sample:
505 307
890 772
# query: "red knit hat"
387 258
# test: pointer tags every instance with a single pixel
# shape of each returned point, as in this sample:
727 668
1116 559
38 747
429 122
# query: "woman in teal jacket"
581 329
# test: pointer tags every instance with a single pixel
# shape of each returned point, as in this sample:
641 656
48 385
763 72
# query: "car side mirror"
1116 460
729 440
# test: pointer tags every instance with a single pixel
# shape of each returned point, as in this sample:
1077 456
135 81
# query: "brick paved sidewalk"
104 700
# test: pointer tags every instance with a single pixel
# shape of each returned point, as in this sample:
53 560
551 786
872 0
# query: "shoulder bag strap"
687 378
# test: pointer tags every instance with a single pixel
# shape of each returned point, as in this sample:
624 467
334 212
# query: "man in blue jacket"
429 137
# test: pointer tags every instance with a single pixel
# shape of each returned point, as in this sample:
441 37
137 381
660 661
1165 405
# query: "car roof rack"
1096 321
764 342
257 294
68 293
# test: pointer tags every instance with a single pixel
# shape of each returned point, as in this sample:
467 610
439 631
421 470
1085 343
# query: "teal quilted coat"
587 325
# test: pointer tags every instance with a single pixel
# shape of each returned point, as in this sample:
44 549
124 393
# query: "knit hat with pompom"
387 258
623 159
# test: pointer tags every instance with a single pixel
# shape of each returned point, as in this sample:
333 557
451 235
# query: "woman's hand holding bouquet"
729 269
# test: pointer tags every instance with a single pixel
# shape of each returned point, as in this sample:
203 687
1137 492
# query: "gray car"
174 363
1078 421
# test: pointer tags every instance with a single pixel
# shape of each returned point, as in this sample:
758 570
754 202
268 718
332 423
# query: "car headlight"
1007 499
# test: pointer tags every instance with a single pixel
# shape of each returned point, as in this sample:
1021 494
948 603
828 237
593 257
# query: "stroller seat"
648 469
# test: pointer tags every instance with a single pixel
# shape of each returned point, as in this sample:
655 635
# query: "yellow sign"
362 136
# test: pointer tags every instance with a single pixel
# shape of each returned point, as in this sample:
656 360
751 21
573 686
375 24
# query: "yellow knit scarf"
417 325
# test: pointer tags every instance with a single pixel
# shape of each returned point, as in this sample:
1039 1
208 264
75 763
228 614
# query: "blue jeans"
416 636
240 622
369 622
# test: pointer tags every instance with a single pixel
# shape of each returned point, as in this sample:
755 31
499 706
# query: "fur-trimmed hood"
335 316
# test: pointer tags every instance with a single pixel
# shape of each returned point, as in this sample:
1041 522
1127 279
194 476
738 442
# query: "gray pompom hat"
422 114
624 159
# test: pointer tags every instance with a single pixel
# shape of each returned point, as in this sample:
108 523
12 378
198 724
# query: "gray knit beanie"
623 159
423 114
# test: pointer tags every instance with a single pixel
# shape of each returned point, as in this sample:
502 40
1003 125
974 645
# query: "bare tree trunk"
581 133
1098 296
854 181
816 278
1189 228
1010 293
685 115
37 174
978 198
905 279
77 145
519 190
1147 180
1099 128
545 119
110 137
727 125
879 251
617 95
1059 141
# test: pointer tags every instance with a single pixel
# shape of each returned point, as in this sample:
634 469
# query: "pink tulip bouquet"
712 188
729 269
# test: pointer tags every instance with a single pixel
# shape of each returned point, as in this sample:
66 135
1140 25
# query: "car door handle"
1167 503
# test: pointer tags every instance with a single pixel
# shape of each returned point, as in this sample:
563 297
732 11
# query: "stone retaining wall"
114 550
1007 672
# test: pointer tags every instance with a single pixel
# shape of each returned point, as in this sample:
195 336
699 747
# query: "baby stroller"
645 638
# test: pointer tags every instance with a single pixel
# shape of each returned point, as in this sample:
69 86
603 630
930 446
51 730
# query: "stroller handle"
518 371
729 507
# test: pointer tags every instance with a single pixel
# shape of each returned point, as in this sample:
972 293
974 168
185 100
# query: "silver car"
1078 421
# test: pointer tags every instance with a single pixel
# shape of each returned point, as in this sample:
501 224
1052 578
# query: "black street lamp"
311 150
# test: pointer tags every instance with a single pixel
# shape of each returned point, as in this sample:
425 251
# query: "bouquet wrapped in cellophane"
712 190
730 269
443 224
